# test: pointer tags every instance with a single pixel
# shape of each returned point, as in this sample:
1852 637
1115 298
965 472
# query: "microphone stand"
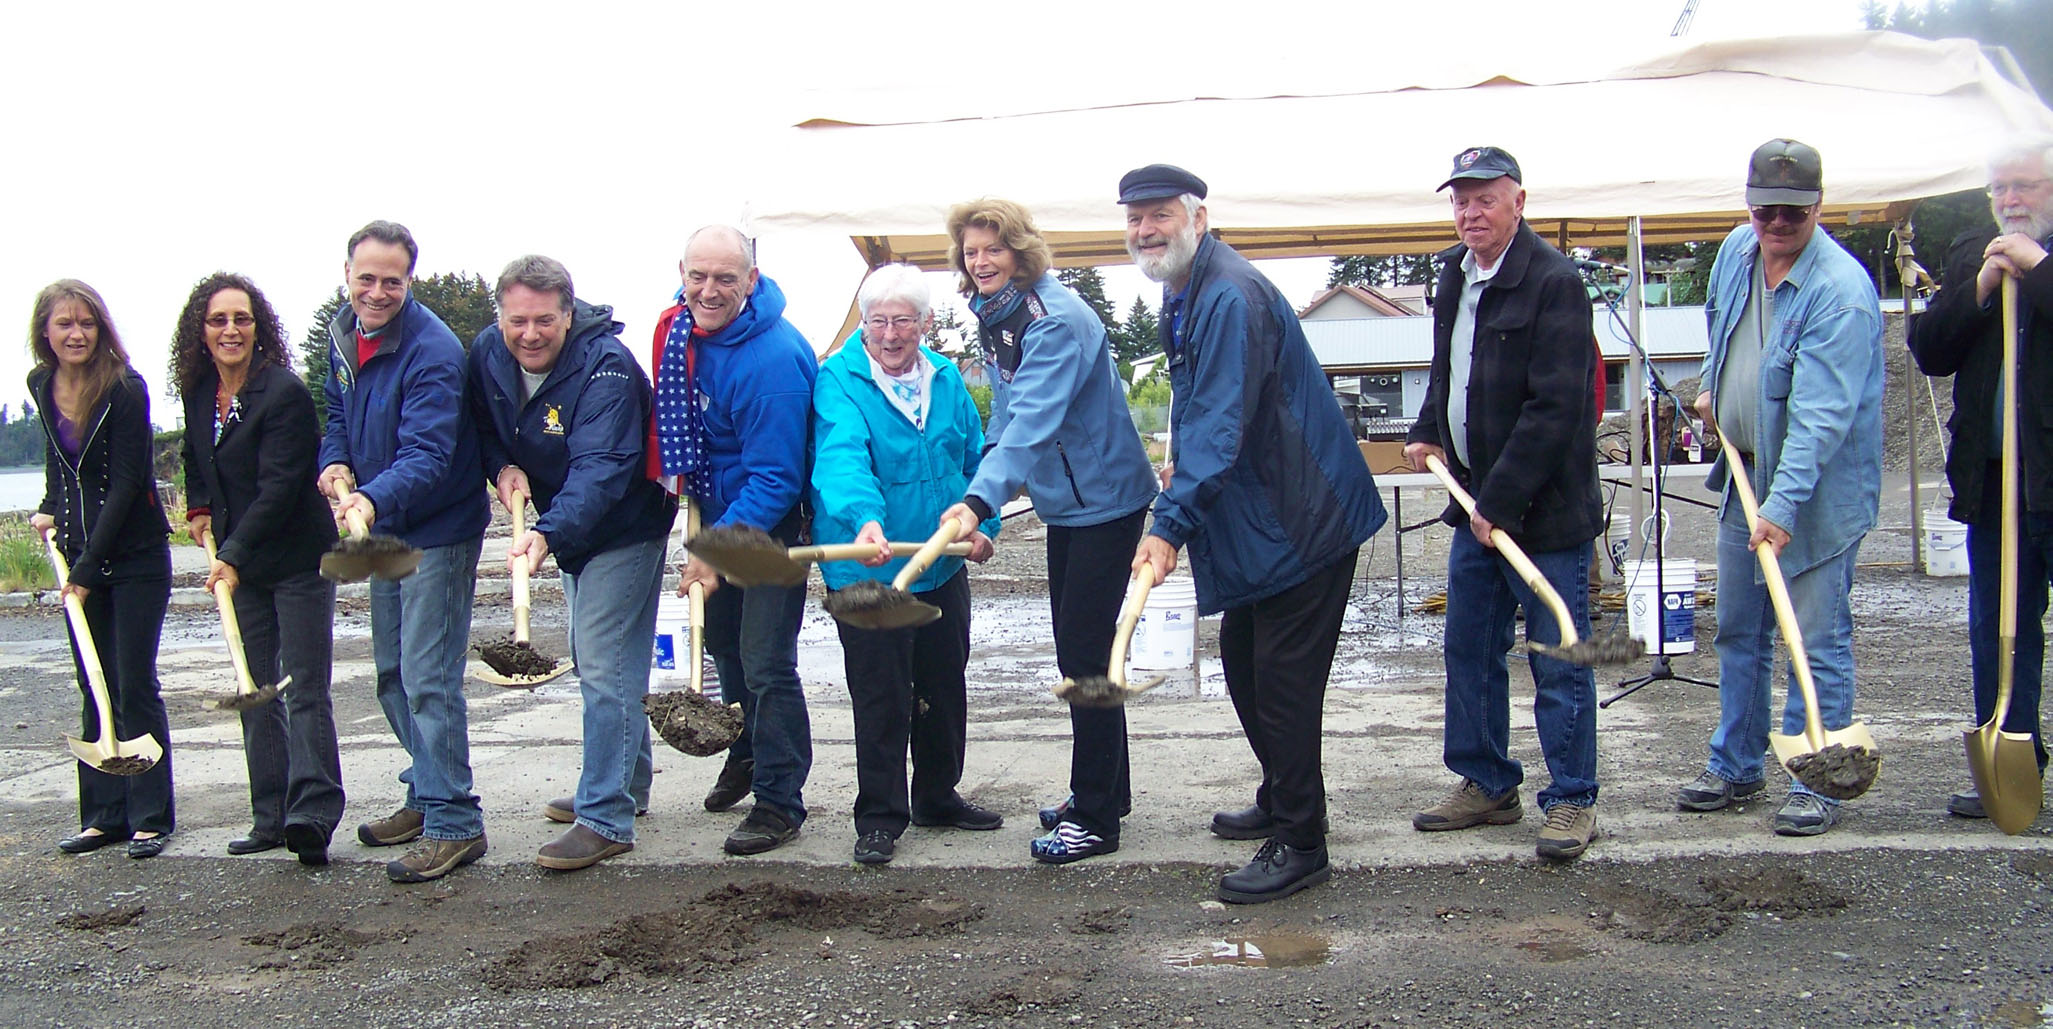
1662 670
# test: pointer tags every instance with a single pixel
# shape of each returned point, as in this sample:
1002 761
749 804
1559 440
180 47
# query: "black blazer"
1532 430
258 483
110 521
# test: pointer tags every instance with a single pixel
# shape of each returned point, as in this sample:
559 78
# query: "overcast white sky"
156 143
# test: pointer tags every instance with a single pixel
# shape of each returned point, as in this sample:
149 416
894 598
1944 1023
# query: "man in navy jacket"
400 452
561 408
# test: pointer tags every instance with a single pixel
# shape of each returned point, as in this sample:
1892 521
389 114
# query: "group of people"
1264 491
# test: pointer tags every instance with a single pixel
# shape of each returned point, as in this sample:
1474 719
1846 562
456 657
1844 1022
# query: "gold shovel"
246 695
1110 689
752 557
689 720
109 755
2005 765
1841 763
361 556
505 660
869 604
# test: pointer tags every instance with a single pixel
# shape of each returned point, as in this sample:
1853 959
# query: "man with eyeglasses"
896 438
1961 335
1509 409
1794 380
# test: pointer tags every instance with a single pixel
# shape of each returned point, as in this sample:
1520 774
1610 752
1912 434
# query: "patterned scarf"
1002 320
680 422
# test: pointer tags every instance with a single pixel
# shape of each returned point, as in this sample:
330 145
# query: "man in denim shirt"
1794 379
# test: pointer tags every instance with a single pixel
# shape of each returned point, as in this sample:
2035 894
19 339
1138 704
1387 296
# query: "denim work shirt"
1818 428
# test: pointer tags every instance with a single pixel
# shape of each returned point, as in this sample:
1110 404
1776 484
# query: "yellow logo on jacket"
552 421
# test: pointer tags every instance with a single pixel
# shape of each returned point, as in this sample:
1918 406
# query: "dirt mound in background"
312 945
720 929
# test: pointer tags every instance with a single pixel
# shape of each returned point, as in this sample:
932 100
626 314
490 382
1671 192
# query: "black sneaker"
1053 816
763 829
875 847
1966 805
1277 871
1708 792
307 841
737 779
964 815
1249 823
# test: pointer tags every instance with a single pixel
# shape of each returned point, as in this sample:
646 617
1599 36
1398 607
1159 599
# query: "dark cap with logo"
1483 162
1157 181
1784 171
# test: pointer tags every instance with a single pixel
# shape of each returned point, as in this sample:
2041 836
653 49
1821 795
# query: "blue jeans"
420 629
753 636
612 613
1483 592
1746 651
2034 573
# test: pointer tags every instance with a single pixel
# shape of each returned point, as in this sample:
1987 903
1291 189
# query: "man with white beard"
1270 494
1961 335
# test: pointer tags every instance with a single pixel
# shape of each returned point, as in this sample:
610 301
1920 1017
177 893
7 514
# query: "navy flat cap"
1157 181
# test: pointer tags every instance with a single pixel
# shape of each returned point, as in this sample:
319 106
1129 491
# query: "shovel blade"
752 566
2005 767
125 757
343 566
485 673
1833 770
905 615
395 566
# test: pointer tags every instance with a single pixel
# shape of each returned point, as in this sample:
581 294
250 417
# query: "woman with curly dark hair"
250 445
100 496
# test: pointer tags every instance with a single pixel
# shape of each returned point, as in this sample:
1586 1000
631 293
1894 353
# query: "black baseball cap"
1784 171
1483 162
1157 181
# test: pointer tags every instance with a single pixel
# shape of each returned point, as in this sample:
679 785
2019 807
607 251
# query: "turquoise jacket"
871 465
1818 451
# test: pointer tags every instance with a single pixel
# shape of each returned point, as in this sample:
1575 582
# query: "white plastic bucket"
1945 545
1167 635
1616 544
671 658
1667 608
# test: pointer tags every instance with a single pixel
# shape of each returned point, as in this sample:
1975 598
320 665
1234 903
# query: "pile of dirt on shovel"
692 722
511 657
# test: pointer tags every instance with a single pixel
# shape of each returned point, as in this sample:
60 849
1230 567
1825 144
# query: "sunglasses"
1794 214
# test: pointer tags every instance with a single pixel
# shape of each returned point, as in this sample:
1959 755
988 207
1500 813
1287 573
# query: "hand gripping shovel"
869 604
751 557
2005 765
1842 763
515 663
1110 689
360 555
109 755
688 719
1572 649
246 695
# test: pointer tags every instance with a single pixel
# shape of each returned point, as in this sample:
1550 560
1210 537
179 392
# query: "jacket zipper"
77 478
1069 473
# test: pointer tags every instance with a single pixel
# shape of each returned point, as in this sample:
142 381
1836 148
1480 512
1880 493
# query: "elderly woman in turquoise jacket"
896 439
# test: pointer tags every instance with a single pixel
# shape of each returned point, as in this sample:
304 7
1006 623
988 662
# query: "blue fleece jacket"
1059 427
871 465
578 438
755 380
399 424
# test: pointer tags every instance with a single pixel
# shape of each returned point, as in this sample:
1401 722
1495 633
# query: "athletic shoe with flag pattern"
1068 842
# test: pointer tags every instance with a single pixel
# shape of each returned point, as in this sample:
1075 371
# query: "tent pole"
1906 274
1636 382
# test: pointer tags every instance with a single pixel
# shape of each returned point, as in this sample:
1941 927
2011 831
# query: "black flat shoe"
86 843
254 843
148 848
307 841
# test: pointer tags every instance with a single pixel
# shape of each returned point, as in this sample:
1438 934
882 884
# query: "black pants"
295 772
907 688
127 619
1088 568
1278 652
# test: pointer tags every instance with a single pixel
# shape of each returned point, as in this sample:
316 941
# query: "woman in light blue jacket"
896 438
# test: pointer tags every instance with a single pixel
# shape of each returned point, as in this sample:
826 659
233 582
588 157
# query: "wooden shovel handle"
82 633
696 608
358 528
2006 582
1778 596
520 575
1129 615
926 554
231 630
859 551
1519 561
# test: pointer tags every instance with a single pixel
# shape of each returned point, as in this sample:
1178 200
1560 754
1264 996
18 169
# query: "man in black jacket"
1508 409
1961 335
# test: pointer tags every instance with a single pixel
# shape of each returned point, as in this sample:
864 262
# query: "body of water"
21 489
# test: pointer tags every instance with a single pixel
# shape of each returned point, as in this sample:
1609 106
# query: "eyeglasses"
1997 189
1794 214
220 321
901 323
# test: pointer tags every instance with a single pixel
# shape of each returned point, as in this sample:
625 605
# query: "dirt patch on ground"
1102 920
720 929
312 945
1656 916
101 921
1028 991
1780 891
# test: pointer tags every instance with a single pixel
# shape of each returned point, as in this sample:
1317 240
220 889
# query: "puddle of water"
1552 950
1269 950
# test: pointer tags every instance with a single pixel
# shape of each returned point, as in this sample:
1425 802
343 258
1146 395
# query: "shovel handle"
925 556
358 528
860 551
2006 605
231 630
1129 615
520 575
82 634
1512 553
695 607
1778 596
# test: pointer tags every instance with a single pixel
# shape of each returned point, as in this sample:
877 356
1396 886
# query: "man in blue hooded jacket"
400 452
560 407
734 390
1271 495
